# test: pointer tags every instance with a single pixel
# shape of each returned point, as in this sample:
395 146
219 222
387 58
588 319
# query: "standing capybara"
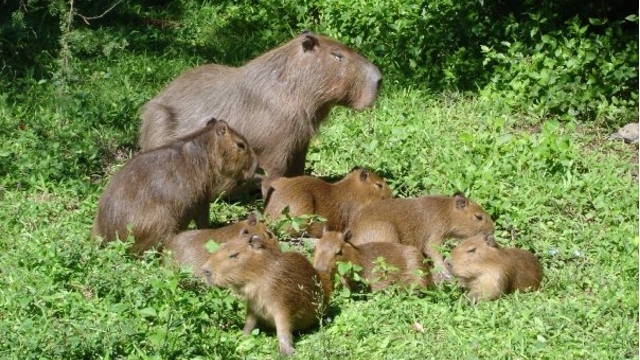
277 101
189 248
336 202
159 192
282 289
423 222
404 264
487 270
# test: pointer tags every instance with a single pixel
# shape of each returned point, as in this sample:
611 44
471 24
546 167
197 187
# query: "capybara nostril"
207 273
379 84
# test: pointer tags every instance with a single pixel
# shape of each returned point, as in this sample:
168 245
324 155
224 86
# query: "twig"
87 18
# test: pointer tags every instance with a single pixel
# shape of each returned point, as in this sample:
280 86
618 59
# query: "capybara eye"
479 217
245 231
241 145
472 250
339 252
337 55
233 255
378 185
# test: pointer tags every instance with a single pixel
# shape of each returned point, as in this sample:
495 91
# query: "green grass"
558 189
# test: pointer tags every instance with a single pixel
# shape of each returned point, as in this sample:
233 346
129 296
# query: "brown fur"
423 222
336 202
277 101
159 192
487 270
408 261
189 248
282 289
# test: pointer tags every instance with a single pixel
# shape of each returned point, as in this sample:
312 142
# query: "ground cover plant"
543 169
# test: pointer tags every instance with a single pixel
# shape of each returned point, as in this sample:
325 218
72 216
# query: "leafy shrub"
570 73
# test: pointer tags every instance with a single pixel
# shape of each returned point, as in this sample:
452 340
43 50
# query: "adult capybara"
189 248
488 270
277 101
423 222
158 192
282 289
336 202
403 264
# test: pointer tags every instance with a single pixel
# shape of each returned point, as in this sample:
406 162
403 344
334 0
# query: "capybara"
189 248
488 270
282 289
404 263
336 202
423 222
277 100
159 192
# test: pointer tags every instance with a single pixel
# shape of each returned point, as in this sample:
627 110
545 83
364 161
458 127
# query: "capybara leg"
296 168
158 126
285 337
440 271
250 323
202 216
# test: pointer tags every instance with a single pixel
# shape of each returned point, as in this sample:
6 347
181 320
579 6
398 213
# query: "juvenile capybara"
282 289
158 192
488 270
189 248
336 202
423 222
277 100
404 263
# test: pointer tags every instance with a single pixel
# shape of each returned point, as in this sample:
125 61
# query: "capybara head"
469 219
330 249
236 159
239 262
346 77
471 257
367 186
252 226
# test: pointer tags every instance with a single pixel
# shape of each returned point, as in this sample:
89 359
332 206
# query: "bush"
570 73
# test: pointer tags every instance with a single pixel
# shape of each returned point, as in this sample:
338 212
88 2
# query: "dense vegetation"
510 103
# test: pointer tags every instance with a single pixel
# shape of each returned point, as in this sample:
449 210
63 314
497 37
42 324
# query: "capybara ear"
347 236
252 219
491 241
461 200
221 127
255 242
212 121
309 42
364 175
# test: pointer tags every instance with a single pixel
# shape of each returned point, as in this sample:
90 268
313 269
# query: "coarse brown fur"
277 101
488 270
159 192
189 248
404 263
282 289
423 222
336 202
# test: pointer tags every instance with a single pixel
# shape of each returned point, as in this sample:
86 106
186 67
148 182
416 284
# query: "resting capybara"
487 270
277 101
423 222
336 202
159 192
282 289
404 263
189 248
